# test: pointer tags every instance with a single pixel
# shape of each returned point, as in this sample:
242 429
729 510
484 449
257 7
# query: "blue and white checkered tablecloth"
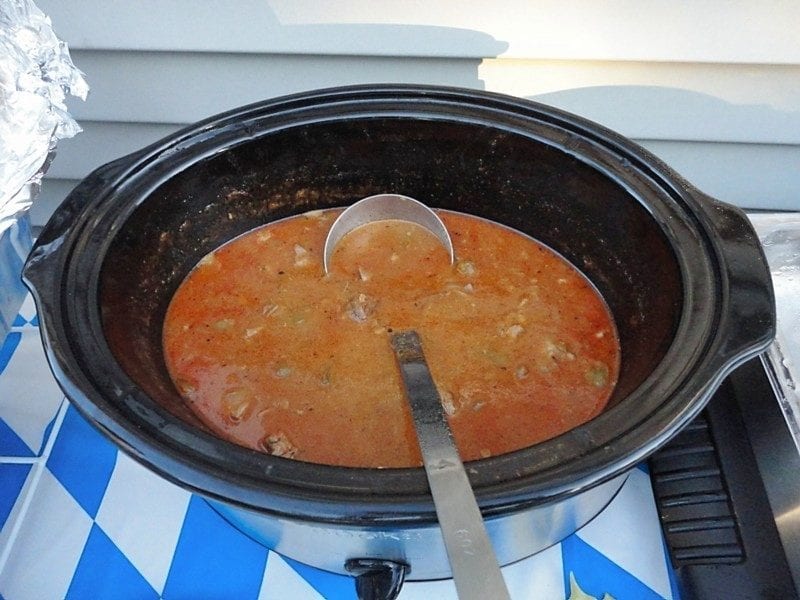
78 519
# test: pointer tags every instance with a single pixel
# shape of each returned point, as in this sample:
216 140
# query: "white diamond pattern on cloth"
636 545
143 515
28 309
29 396
538 577
424 590
281 582
16 513
54 533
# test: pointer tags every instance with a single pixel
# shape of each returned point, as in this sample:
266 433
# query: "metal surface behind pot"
683 274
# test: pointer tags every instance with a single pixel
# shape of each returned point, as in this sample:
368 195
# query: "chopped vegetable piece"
185 388
326 378
223 324
513 331
278 444
302 258
466 268
251 331
447 402
208 259
598 375
557 351
283 372
360 308
496 358
238 405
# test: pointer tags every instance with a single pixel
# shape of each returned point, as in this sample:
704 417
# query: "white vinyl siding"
712 87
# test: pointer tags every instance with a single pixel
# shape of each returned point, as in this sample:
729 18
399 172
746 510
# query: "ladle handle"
472 560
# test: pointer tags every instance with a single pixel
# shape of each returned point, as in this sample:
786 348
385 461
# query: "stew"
275 355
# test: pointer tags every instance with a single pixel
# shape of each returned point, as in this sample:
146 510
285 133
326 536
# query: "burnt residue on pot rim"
125 237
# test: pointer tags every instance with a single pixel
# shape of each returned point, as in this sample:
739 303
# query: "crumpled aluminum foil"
36 75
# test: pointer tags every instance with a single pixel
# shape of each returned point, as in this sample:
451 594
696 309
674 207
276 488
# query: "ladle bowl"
384 207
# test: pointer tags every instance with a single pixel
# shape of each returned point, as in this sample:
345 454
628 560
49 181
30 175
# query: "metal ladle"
473 563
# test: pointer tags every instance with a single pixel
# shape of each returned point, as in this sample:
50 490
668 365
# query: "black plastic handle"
748 314
43 259
377 579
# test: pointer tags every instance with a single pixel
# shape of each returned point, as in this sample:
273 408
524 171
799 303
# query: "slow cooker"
683 274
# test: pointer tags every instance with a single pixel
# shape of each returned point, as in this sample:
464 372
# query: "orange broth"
274 355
